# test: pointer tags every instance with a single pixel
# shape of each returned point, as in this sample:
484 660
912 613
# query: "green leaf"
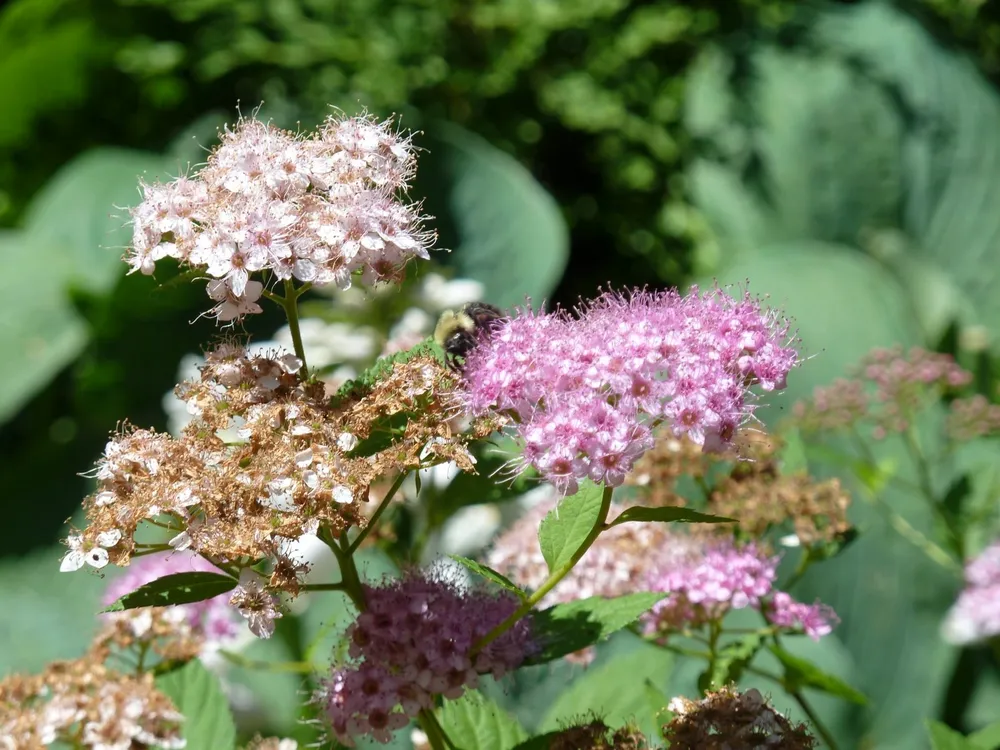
385 431
987 738
569 627
668 514
83 210
195 691
176 588
508 232
474 722
800 673
31 290
490 575
943 737
617 691
567 525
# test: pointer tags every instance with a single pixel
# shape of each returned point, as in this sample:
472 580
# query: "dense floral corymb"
587 391
706 576
975 616
414 641
316 208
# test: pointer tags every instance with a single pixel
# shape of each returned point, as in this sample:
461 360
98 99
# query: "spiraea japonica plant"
606 407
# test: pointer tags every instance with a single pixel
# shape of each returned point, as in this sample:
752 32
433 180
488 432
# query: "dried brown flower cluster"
267 459
596 735
83 703
754 491
730 720
164 631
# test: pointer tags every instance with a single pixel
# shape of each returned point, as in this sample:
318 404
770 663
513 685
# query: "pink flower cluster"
414 641
314 208
886 389
587 391
975 616
722 577
212 619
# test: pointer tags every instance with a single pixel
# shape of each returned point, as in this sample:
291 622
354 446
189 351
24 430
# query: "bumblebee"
459 332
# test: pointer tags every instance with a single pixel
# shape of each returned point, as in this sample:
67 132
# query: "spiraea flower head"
267 459
706 575
731 720
885 390
975 616
586 391
318 208
177 632
83 703
414 641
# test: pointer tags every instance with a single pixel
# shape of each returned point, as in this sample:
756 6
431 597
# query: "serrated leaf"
507 231
616 692
30 291
83 210
800 673
569 627
490 575
176 588
668 514
567 525
208 724
474 722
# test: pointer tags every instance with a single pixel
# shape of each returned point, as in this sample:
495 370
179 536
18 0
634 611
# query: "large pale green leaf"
509 233
865 131
40 332
83 210
196 692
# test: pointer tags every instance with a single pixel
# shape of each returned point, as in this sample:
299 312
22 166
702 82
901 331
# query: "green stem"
350 579
290 304
339 586
807 709
377 514
554 577
297 667
436 735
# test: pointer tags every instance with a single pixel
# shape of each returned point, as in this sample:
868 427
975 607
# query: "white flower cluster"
316 208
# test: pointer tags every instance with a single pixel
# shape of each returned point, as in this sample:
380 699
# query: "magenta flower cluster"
725 576
414 641
316 209
975 616
212 619
587 391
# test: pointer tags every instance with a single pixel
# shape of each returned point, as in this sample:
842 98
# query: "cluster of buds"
586 392
315 208
415 640
886 390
